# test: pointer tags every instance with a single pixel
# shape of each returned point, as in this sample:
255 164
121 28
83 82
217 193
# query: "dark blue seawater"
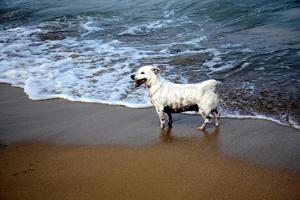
85 50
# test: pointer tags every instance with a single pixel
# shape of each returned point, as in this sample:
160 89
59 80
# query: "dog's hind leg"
170 118
217 116
206 119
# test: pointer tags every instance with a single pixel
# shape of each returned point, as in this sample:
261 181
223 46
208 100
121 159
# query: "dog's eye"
142 72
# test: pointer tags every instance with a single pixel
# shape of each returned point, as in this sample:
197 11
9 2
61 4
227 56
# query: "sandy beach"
57 149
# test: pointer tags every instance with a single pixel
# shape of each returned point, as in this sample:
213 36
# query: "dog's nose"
132 76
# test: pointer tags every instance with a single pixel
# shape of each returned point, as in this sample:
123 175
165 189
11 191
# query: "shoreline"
57 149
291 124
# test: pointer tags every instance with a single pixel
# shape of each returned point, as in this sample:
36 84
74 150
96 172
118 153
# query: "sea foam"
89 70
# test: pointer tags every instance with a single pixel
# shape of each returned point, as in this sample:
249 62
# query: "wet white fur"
165 93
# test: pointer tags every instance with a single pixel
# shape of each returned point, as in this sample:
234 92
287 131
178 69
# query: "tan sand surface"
182 169
57 149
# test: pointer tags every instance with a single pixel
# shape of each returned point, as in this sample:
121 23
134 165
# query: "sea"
86 50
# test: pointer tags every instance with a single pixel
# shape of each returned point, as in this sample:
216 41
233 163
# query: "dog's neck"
155 85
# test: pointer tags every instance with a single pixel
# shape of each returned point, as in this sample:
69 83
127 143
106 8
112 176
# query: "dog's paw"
201 128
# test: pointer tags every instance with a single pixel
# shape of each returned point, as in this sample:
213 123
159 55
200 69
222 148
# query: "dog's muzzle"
138 82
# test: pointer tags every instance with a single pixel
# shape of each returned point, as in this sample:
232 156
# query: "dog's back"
203 94
209 85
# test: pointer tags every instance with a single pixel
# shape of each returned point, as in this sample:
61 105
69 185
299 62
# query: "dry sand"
57 149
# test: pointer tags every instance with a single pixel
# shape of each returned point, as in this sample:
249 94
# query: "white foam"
195 41
146 28
294 124
250 87
247 50
237 115
90 26
230 45
223 67
215 60
77 70
169 13
168 20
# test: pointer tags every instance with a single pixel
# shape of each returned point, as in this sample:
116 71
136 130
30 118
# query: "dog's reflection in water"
165 134
209 136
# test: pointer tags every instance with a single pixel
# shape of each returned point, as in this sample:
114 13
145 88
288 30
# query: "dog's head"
145 74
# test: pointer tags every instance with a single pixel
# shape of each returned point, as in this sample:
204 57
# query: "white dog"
170 97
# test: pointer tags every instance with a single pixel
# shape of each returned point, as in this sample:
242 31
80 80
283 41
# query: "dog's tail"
210 85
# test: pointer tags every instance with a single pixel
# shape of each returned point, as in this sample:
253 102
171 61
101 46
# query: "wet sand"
57 149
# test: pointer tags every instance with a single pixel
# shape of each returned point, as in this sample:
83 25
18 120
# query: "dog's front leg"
161 116
206 118
170 118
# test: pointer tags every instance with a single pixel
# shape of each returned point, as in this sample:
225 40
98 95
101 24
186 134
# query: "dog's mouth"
140 82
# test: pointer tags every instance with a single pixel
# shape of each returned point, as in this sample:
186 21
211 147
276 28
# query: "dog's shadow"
209 136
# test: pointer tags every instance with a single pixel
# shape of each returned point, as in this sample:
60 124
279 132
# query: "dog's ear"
155 70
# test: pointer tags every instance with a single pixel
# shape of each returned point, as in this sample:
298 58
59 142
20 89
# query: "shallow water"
86 50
